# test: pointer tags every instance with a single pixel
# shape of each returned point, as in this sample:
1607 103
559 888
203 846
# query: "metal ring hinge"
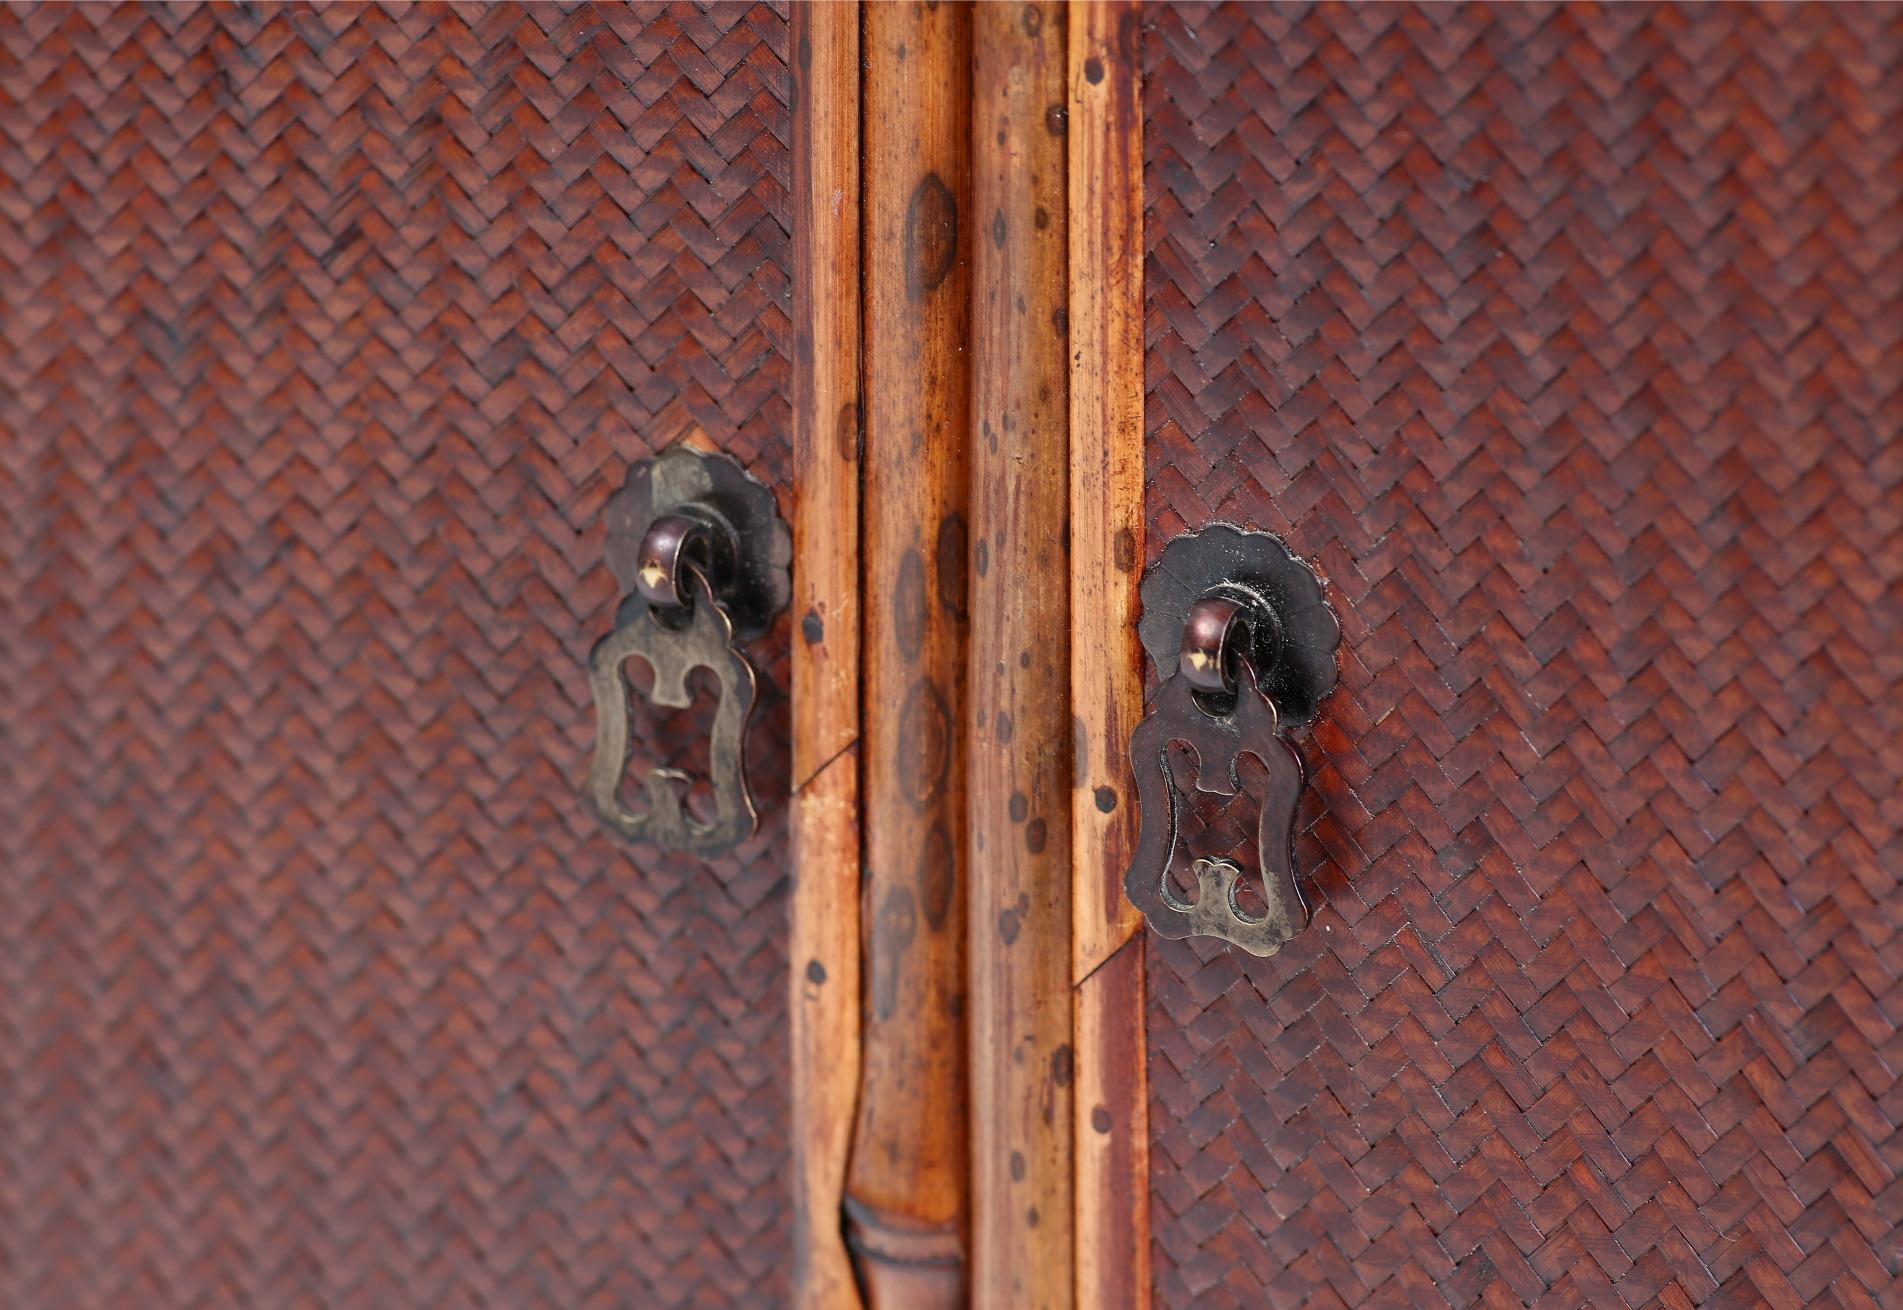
1214 635
673 544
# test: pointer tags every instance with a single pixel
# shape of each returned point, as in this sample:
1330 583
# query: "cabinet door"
1564 341
328 336
1561 342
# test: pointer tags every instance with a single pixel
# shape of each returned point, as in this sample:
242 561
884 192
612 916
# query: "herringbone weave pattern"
327 335
1566 341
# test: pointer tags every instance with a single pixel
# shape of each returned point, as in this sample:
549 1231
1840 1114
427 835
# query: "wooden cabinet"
1562 343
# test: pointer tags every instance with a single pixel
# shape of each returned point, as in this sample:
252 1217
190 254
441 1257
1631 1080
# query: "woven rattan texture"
1566 342
327 336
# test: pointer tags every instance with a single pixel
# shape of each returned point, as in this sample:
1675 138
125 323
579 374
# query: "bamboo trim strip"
1106 489
1112 1136
908 1183
824 950
1106 499
1022 1065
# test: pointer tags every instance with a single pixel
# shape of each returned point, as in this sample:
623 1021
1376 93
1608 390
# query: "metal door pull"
702 556
1237 625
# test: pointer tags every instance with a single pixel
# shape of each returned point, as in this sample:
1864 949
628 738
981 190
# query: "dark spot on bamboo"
815 972
1030 1217
1100 1119
937 870
1063 1065
924 744
1033 21
1008 925
1024 659
997 229
893 931
951 565
812 627
1019 807
1017 1166
1079 751
1060 323
1106 799
1056 119
846 432
981 559
931 235
1093 70
1123 550
1041 219
806 53
1035 835
908 606
1006 728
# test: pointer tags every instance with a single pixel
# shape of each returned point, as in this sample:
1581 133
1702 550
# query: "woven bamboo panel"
327 335
1566 342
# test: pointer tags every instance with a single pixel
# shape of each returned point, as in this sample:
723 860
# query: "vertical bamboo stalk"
1022 1067
1112 1133
907 1185
1106 477
824 951
1106 674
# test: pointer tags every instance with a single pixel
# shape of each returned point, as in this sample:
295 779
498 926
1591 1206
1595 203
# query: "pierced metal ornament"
705 640
1237 625
700 549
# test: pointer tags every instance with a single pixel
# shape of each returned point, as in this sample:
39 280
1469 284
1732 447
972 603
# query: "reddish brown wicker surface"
1567 343
327 335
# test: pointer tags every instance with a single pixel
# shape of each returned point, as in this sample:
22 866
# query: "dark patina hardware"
702 556
674 546
1238 626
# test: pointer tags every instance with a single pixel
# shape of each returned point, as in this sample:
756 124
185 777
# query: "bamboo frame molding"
1111 1124
824 951
908 1185
1018 844
969 1099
